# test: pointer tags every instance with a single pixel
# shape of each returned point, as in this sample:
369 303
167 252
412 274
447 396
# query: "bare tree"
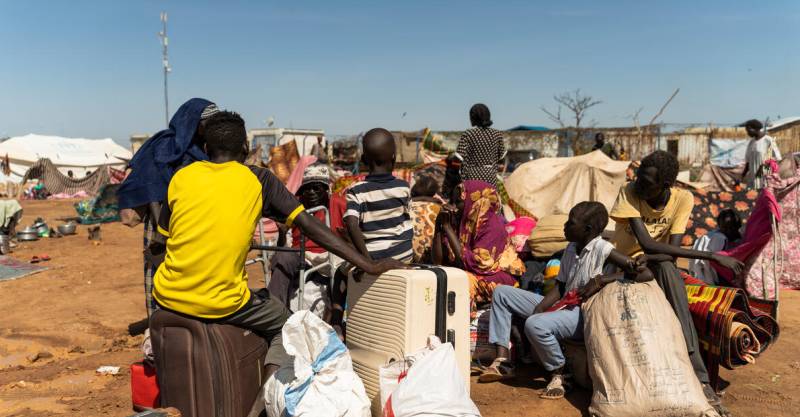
635 116
578 104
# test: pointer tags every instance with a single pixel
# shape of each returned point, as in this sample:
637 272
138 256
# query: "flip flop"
35 259
557 388
500 369
44 257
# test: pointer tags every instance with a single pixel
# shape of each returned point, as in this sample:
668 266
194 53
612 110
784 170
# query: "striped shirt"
382 205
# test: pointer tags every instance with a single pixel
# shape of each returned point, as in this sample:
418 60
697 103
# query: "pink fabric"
756 235
762 274
519 230
66 196
296 178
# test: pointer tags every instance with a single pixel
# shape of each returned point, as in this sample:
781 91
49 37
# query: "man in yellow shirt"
651 216
211 212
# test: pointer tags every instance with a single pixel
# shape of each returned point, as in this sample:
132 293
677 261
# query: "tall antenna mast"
165 62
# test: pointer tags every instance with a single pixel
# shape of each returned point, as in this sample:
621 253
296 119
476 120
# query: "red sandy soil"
80 308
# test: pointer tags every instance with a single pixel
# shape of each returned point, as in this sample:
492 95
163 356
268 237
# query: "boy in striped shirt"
378 216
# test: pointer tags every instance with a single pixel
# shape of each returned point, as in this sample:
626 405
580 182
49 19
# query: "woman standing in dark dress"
480 148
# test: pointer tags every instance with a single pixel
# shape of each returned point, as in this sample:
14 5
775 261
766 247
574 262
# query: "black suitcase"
207 369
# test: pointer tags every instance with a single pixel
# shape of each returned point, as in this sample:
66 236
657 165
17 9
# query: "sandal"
44 257
556 388
501 368
35 259
476 368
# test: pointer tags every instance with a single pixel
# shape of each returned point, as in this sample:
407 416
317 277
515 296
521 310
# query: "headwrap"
154 164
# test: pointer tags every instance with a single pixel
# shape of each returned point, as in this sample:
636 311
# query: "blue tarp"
529 127
728 153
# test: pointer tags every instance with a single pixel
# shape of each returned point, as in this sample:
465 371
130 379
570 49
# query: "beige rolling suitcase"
392 315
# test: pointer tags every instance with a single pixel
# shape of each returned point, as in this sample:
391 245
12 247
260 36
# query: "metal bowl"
28 234
67 229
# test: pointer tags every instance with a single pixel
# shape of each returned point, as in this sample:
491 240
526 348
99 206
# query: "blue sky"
93 68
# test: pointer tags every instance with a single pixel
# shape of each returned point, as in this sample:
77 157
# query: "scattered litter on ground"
40 355
108 370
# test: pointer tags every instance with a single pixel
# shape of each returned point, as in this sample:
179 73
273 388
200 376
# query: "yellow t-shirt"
209 218
660 224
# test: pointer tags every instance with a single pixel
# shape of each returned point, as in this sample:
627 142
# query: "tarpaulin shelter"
65 154
554 185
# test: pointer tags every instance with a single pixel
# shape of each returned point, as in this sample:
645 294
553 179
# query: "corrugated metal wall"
692 148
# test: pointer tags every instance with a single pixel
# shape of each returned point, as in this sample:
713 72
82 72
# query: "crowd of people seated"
204 217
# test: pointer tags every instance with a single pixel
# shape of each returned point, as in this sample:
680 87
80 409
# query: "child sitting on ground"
378 218
580 274
725 237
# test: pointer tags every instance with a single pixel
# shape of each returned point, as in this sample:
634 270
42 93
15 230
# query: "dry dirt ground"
79 311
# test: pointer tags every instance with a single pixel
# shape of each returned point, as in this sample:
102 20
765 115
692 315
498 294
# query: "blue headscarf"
154 164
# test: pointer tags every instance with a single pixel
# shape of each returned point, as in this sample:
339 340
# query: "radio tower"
165 61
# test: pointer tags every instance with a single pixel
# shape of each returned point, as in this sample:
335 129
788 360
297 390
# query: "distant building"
270 137
137 141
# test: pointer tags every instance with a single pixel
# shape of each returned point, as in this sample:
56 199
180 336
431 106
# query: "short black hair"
479 115
593 213
424 187
224 132
754 124
665 163
599 135
378 146
729 214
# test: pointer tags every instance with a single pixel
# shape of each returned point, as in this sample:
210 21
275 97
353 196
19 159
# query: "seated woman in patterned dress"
482 246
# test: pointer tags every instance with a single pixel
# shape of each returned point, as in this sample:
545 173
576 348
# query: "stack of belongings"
733 332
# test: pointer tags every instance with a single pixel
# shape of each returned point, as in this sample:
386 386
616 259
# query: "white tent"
67 154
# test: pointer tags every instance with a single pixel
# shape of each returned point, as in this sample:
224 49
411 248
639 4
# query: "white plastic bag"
391 374
433 385
321 382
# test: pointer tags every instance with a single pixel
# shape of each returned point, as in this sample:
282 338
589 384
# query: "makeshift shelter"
58 184
554 185
65 154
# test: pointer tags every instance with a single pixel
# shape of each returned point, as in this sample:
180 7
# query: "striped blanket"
731 330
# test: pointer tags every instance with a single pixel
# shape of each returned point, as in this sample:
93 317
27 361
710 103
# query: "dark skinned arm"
651 246
356 236
455 243
317 231
549 299
282 229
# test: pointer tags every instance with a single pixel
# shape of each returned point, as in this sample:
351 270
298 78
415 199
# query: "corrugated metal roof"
782 122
